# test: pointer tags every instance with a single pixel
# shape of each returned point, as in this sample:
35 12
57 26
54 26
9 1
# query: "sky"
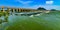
32 4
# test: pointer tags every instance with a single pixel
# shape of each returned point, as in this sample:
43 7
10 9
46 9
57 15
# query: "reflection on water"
9 20
50 20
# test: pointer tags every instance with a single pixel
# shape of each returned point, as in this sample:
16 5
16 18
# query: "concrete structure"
18 10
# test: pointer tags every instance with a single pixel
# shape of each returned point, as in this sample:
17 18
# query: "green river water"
50 21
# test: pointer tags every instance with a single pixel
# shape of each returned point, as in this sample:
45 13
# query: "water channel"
41 22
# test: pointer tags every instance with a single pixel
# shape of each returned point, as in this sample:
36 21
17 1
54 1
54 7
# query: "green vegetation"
41 8
5 14
53 9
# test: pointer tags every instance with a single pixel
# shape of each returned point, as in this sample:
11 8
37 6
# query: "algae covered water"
50 21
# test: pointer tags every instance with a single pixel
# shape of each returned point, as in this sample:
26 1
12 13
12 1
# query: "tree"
41 8
53 9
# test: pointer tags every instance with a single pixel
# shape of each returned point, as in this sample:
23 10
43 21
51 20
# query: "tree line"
41 8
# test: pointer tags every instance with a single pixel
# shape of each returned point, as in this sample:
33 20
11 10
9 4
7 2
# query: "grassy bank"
5 14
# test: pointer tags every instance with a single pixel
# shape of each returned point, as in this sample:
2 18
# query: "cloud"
49 2
24 2
48 7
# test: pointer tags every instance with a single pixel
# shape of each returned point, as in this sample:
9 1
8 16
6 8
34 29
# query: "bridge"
18 10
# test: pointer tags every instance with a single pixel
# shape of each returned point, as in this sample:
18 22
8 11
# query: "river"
41 22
